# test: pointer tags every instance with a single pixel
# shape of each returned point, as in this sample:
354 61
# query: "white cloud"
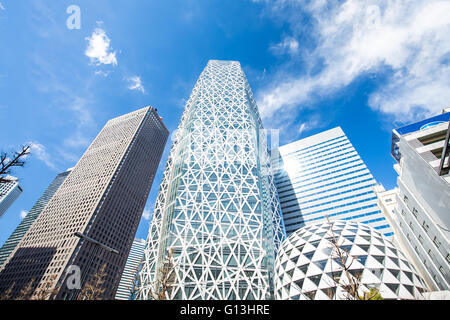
289 45
23 213
101 73
83 120
408 42
40 152
1 6
135 83
303 127
146 214
98 49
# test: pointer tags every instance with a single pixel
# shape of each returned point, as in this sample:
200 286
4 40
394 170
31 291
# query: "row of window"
335 207
338 176
307 161
333 201
297 203
436 241
292 181
299 150
332 155
326 185
336 214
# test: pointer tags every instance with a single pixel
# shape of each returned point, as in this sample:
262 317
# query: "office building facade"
91 220
9 192
322 177
217 209
128 282
26 223
421 215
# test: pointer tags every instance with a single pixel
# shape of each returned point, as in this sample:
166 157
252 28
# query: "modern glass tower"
127 283
217 208
9 192
26 223
323 176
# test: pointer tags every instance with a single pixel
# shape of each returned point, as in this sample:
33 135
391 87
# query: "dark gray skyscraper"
101 201
26 223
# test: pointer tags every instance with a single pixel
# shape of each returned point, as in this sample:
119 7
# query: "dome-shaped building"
308 266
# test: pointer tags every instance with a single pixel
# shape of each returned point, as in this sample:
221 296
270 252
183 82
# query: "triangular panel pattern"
217 206
371 256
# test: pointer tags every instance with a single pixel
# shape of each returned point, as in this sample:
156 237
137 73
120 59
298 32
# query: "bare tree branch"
94 289
6 164
27 291
46 290
162 287
353 285
7 295
133 289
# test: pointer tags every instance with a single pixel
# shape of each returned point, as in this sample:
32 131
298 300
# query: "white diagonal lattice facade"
217 208
308 266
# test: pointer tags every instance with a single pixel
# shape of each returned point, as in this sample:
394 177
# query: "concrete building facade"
92 218
26 223
422 213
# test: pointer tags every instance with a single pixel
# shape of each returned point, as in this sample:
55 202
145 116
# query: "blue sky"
366 66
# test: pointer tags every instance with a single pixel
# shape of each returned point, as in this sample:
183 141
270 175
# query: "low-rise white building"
421 216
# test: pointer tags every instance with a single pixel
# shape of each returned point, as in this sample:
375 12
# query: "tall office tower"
90 222
9 192
422 212
217 209
323 176
128 282
26 223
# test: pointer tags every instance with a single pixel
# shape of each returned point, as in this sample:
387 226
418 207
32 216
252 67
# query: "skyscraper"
421 215
323 176
9 192
217 208
26 223
91 220
127 283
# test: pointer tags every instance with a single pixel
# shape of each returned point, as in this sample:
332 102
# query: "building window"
431 254
415 212
436 242
448 257
405 199
420 239
403 212
437 281
441 269
425 226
